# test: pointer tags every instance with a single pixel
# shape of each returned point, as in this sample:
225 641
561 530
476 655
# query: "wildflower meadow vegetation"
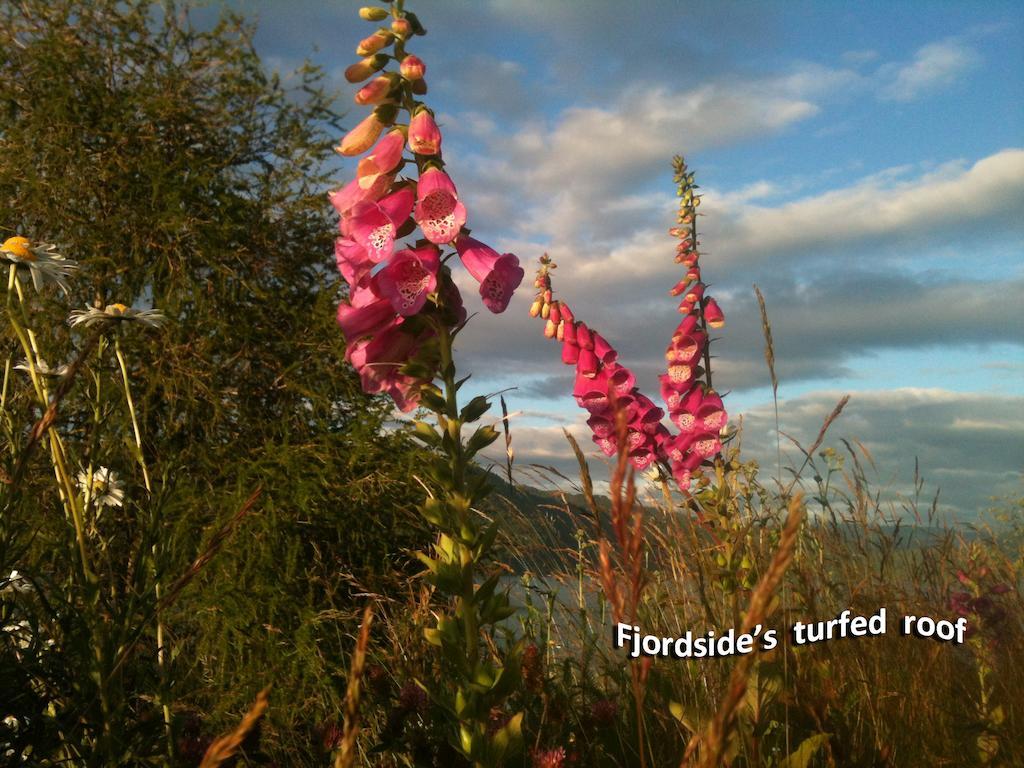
245 513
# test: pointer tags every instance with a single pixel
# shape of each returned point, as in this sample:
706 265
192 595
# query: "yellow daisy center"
18 246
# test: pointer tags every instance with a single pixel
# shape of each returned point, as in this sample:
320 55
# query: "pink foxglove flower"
367 313
353 262
424 136
379 361
385 158
408 277
345 199
713 314
498 275
374 225
438 210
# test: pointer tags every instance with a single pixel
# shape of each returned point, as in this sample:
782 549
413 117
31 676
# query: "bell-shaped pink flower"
694 294
353 262
686 326
713 314
601 426
424 136
705 444
596 394
570 354
378 362
385 158
365 314
680 376
685 349
604 351
711 415
683 468
587 363
683 407
438 210
646 416
347 197
408 277
374 225
498 275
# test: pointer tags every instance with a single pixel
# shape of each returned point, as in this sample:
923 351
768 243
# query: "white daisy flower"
17 583
117 313
43 368
105 489
38 261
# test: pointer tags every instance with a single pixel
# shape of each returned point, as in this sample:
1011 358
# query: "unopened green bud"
370 13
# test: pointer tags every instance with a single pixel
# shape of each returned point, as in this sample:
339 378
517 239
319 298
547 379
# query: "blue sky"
862 163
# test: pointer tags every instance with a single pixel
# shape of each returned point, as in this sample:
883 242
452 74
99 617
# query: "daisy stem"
7 377
131 410
160 639
64 484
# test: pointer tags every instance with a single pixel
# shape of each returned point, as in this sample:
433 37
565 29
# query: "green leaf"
426 434
509 738
801 756
484 592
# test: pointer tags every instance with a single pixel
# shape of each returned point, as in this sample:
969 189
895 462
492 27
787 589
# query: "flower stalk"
401 317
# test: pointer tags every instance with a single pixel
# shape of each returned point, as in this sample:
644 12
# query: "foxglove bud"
413 68
374 92
584 337
365 68
713 314
375 42
679 287
424 137
369 13
362 137
569 332
570 352
402 28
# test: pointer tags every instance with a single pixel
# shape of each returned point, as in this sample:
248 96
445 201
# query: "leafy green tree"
181 175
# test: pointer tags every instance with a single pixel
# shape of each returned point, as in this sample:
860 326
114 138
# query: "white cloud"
934 66
884 205
962 453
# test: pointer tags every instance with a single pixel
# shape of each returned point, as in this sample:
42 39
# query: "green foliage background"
181 175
